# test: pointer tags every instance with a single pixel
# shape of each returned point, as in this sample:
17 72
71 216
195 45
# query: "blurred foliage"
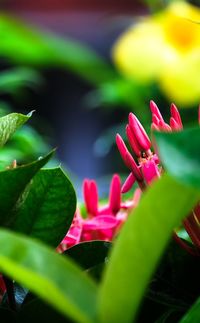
28 46
15 80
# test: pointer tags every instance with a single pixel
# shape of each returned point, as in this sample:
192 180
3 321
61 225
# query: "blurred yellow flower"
164 48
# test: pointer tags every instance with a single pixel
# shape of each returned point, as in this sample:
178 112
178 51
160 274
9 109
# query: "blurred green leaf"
11 81
9 124
89 254
49 207
12 184
180 154
24 146
193 315
28 46
140 246
54 278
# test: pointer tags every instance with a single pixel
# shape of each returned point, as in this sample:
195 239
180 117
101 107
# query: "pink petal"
155 120
128 183
150 171
139 132
93 198
130 162
100 222
122 148
86 193
115 194
155 110
133 141
176 115
164 126
154 127
90 194
174 125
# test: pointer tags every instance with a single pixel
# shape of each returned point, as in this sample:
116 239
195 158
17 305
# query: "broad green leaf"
193 315
52 277
49 207
180 154
13 182
9 124
140 246
29 46
89 254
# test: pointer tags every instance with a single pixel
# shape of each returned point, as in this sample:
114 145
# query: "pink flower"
102 222
147 167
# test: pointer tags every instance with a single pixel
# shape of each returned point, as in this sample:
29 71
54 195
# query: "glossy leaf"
49 207
54 278
193 315
89 254
180 154
140 246
9 124
12 184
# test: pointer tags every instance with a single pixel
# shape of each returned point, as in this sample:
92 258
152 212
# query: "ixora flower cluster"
104 222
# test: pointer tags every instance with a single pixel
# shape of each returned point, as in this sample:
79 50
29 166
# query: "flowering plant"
110 255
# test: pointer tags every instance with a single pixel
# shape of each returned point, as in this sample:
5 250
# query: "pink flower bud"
133 166
115 194
122 148
176 115
155 110
128 183
139 132
133 141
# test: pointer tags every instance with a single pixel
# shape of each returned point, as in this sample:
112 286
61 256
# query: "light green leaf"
193 315
52 277
140 246
180 154
49 207
9 124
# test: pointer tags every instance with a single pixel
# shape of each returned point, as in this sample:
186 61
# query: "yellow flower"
164 48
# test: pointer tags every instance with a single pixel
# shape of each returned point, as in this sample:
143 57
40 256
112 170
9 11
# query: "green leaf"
180 154
13 80
9 124
54 278
89 254
49 207
13 183
193 315
140 246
